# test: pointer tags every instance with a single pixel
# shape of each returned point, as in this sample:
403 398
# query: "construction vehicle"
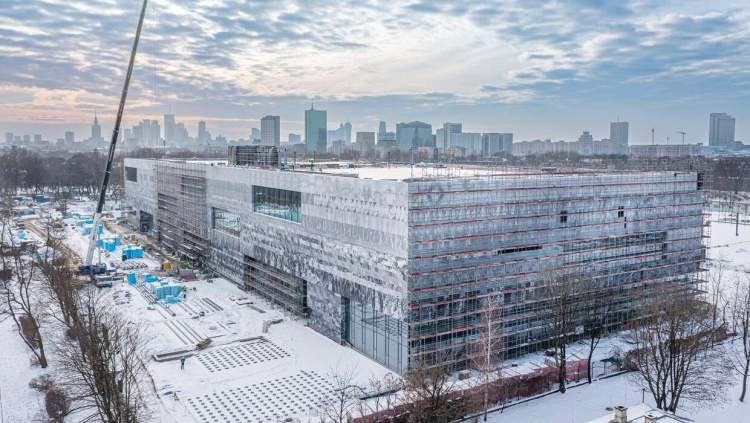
93 242
91 269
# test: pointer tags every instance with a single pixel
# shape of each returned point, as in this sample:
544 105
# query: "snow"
18 402
292 357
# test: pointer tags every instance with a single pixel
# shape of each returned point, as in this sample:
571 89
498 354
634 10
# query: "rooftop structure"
400 262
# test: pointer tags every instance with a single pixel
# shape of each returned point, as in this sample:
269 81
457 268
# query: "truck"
92 269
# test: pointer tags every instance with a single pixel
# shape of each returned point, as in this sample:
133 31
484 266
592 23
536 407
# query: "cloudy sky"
539 69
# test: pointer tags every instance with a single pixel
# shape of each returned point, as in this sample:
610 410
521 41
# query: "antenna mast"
113 143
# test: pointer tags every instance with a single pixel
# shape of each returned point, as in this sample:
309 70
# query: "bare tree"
487 350
716 295
597 308
380 397
672 351
561 297
739 315
18 290
59 281
338 406
101 366
431 394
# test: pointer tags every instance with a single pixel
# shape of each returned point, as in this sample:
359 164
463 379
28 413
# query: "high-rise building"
255 134
494 143
270 130
295 138
469 143
181 134
9 138
169 129
365 141
443 138
37 138
414 134
342 133
70 138
316 122
202 132
586 144
720 129
618 137
26 139
382 129
387 138
96 130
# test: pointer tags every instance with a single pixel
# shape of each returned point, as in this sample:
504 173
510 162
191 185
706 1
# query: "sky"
538 69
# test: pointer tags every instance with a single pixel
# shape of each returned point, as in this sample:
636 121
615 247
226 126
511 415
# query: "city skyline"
553 75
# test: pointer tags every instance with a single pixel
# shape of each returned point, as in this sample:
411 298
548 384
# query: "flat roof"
428 171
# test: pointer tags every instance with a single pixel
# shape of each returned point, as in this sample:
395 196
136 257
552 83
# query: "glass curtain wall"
279 203
379 336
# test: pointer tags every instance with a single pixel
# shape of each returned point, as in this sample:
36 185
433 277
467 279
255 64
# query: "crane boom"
113 143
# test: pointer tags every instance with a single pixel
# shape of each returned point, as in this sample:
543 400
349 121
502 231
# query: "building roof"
638 413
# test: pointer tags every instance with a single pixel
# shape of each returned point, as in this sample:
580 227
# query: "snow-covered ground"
18 402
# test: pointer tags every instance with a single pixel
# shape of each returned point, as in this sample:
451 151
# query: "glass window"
279 203
381 337
226 222
131 174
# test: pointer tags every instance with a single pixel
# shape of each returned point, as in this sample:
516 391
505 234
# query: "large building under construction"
399 263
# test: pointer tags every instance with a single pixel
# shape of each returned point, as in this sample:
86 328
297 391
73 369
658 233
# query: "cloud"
409 57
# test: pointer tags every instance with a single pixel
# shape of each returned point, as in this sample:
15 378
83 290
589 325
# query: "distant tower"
720 129
96 130
618 136
201 131
169 129
270 130
382 129
316 130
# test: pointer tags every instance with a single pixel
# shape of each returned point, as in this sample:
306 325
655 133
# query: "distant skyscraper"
618 137
443 139
255 134
202 132
382 129
343 133
295 138
413 134
316 122
365 141
9 138
169 127
586 144
96 130
270 130
494 143
70 138
37 138
26 139
720 129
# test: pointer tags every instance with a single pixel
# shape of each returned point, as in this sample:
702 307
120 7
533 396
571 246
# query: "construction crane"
683 136
113 145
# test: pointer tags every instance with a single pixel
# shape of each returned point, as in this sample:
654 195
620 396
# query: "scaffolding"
182 218
497 233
